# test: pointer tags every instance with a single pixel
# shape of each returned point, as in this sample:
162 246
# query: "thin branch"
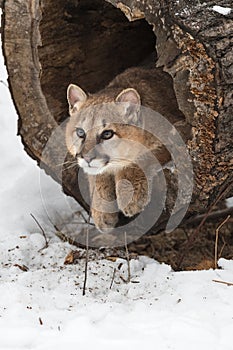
215 215
42 230
61 235
127 257
4 83
113 277
216 240
86 261
79 212
87 246
223 282
65 238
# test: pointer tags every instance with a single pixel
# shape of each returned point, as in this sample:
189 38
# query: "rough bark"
48 44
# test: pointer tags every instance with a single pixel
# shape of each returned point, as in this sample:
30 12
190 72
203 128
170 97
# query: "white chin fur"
97 167
91 170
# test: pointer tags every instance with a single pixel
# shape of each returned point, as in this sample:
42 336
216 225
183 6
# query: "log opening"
88 43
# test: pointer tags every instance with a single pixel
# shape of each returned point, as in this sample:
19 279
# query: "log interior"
88 42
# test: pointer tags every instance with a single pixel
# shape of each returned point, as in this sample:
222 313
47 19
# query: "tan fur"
119 183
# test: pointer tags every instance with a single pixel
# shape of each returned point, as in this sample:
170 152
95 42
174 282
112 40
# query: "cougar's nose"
88 158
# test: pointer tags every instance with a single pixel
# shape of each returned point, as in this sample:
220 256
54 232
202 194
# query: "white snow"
43 308
222 10
230 202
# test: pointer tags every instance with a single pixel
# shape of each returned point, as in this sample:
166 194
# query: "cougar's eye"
80 133
107 134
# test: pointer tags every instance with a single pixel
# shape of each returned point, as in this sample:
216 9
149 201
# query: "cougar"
105 133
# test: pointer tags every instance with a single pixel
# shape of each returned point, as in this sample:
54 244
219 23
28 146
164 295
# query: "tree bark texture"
49 44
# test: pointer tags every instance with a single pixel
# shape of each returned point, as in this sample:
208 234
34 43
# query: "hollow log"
49 44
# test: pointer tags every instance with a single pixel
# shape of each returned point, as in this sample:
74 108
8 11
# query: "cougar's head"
100 133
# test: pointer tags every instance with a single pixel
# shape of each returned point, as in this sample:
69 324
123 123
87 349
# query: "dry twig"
22 267
3 82
63 237
127 257
43 232
113 277
223 282
215 215
86 261
216 240
87 246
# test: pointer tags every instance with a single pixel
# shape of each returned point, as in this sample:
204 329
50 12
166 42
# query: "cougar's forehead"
97 116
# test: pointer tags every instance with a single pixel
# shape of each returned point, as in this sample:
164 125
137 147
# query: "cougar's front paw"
105 222
131 200
134 207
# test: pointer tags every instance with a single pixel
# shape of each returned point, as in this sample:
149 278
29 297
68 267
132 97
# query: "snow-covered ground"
41 302
222 10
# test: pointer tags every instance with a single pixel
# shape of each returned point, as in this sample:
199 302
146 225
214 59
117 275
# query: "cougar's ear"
75 96
130 102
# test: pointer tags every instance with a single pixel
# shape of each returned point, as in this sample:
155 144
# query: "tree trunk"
48 44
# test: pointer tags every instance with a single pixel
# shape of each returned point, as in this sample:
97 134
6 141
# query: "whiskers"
120 163
67 165
72 165
116 162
